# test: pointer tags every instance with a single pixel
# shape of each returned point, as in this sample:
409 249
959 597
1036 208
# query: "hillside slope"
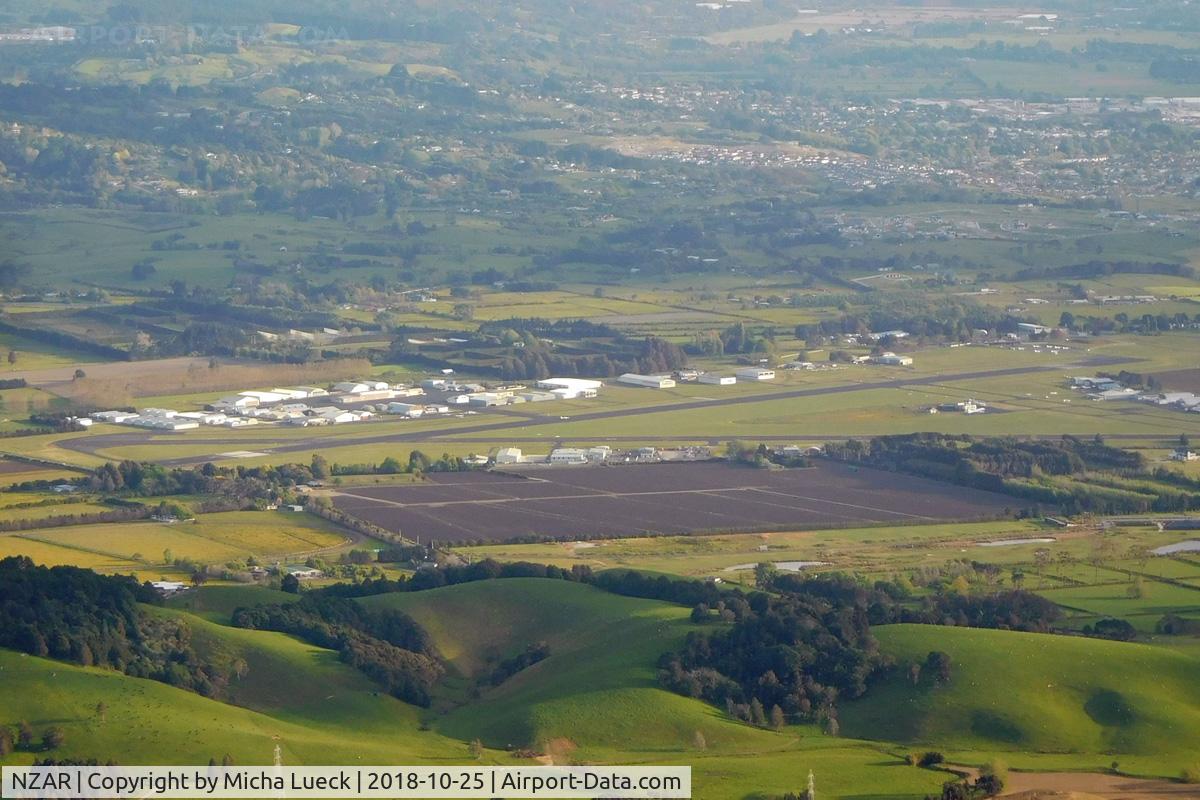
597 690
1034 692
152 723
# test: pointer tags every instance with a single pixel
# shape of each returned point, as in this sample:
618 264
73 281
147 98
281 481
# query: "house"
508 455
305 573
755 374
717 380
168 588
647 381
1183 454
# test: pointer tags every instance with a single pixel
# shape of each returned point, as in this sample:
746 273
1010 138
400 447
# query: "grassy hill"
593 699
1036 693
149 722
597 690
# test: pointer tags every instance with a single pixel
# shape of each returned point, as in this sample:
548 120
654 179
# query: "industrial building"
893 360
647 381
570 388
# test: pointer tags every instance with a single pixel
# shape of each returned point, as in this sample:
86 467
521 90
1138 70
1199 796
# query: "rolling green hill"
1035 693
597 690
150 722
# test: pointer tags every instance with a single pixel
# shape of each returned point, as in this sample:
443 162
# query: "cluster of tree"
76 615
523 660
386 645
1175 625
798 651
121 514
951 319
1118 630
1101 478
153 480
26 739
1100 269
66 341
1179 69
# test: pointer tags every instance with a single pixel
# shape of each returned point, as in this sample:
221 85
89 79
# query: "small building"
305 573
568 455
576 385
599 454
1183 454
486 399
647 381
265 397
168 588
115 417
405 409
717 380
508 455
893 360
755 374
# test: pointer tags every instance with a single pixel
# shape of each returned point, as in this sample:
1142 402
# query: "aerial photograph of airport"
804 394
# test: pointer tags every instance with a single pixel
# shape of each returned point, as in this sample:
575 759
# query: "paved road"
93 444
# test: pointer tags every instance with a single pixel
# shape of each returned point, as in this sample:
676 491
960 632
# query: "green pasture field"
847 549
32 354
211 538
1084 702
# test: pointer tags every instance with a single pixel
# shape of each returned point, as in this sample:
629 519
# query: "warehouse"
405 409
570 388
569 455
648 381
893 360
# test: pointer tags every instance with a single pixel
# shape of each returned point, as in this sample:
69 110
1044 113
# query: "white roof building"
576 384
647 381
755 374
508 455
